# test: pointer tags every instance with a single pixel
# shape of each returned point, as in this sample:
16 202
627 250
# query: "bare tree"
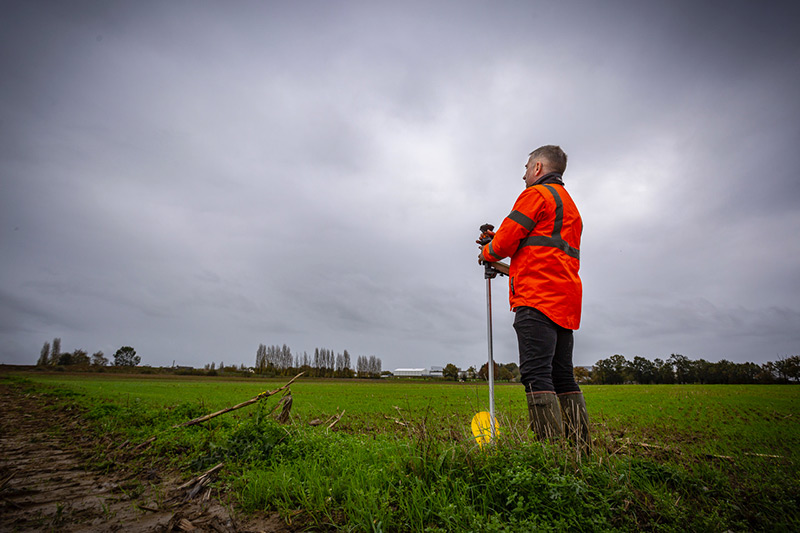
347 368
44 356
98 359
261 359
80 357
339 365
55 352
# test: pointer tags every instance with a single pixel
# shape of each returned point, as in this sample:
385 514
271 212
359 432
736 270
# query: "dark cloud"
195 180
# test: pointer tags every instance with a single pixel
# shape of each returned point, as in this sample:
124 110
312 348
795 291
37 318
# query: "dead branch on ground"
194 486
145 444
251 401
286 402
396 421
334 418
337 418
674 451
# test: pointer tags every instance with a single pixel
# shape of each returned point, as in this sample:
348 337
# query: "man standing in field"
542 235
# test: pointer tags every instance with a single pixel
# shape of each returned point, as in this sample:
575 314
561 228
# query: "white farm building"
409 372
434 372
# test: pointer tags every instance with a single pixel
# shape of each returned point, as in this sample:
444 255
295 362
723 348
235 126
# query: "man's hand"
485 237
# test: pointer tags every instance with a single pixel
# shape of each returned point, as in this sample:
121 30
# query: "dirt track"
46 483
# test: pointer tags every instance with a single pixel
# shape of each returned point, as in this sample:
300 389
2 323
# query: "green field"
666 457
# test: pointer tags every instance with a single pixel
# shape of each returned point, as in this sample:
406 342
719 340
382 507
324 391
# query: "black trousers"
545 352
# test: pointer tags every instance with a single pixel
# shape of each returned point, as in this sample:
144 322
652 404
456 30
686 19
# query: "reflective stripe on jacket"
542 235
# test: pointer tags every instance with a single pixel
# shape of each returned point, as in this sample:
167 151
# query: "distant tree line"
279 361
211 369
677 369
273 359
51 355
680 369
368 367
502 372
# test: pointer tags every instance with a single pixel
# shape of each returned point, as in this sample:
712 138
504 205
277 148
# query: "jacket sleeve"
516 226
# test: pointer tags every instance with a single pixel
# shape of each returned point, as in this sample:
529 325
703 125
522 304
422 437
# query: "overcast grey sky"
196 178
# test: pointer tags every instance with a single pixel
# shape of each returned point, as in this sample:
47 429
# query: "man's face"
532 172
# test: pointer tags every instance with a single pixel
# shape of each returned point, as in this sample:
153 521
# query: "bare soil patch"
49 481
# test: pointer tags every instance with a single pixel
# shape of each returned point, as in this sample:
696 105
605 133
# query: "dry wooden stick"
671 450
185 525
715 456
194 486
280 402
283 417
251 401
202 477
396 421
145 444
6 480
337 417
146 508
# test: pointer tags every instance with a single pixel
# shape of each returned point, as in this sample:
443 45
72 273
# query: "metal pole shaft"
491 355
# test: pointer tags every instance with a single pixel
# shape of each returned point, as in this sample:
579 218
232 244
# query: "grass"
667 458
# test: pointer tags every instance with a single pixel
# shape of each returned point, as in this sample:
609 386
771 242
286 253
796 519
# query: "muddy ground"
50 481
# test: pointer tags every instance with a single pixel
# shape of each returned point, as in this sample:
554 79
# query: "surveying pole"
489 277
490 271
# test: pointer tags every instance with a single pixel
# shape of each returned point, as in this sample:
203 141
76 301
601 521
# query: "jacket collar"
551 177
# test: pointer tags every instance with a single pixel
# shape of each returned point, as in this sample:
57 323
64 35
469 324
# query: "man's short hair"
556 159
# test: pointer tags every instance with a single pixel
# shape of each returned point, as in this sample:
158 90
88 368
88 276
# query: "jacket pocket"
511 285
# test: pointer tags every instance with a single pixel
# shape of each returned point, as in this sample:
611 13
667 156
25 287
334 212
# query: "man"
542 236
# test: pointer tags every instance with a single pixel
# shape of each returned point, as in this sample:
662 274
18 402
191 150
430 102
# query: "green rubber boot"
576 419
545 416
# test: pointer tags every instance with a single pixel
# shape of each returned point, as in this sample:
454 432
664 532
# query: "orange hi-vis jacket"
542 235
